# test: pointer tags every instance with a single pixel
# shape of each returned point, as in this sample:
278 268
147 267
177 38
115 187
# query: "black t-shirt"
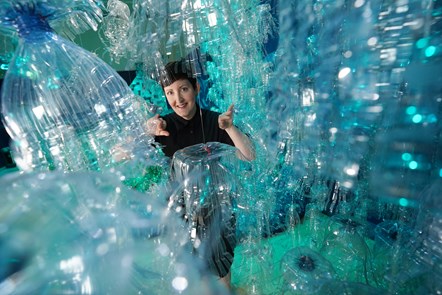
184 133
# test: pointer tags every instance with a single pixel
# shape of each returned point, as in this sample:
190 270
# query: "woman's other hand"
225 120
156 126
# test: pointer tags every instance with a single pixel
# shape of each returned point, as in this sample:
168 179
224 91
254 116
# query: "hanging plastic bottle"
63 107
114 30
407 145
207 172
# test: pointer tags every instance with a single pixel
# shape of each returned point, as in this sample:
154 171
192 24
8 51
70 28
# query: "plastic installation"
353 86
63 107
82 233
344 196
206 200
346 119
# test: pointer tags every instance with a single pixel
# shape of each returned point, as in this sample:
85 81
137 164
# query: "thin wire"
202 124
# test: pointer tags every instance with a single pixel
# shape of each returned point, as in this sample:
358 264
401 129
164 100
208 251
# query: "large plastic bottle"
63 107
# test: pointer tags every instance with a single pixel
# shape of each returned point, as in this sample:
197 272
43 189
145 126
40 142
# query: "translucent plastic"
352 93
255 259
219 28
287 201
150 90
208 189
63 107
326 66
7 48
305 271
114 29
426 240
68 17
315 222
407 158
390 255
345 247
84 233
349 288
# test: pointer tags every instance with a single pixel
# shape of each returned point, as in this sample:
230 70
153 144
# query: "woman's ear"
197 87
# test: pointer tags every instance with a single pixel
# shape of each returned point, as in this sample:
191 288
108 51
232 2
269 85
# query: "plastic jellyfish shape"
305 270
63 107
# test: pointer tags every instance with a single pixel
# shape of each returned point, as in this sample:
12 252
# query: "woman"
189 125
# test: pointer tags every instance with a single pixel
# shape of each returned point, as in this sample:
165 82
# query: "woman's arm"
241 141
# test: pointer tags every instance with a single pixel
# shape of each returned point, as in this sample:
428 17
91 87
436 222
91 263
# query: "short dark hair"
177 70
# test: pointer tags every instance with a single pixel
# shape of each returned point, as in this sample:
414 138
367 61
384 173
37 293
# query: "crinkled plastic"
69 17
63 107
84 233
345 246
114 29
304 270
206 198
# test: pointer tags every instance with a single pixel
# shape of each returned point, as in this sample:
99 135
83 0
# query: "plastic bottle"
63 107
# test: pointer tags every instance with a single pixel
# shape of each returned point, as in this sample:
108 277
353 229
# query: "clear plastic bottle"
63 107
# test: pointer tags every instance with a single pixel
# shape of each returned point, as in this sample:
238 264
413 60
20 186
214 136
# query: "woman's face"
181 97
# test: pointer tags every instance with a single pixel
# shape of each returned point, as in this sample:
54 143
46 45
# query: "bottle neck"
32 27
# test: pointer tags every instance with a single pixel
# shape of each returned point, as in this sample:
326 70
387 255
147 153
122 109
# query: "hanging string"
202 125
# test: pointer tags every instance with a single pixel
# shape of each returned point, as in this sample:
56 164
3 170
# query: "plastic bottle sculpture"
208 192
63 107
427 238
149 90
407 157
85 233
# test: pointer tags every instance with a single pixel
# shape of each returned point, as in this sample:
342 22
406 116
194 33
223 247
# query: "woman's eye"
184 89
